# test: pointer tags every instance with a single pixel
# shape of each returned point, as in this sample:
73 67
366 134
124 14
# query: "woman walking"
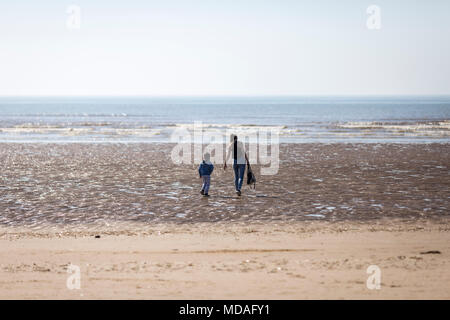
236 148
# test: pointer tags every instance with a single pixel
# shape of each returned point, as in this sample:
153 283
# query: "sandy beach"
315 260
309 232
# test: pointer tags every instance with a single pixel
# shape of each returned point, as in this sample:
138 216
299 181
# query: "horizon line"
228 96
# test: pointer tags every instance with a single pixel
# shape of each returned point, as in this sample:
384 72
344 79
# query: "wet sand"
43 185
309 232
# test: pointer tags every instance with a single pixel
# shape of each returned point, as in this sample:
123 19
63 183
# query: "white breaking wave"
227 126
104 131
45 130
438 128
436 125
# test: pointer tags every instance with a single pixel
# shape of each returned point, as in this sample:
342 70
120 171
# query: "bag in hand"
250 176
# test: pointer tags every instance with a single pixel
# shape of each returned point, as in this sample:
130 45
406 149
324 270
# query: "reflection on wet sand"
101 185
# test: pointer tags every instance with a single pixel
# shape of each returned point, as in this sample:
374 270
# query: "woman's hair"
207 156
233 137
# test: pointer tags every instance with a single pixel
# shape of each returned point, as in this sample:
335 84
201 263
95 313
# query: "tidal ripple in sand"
44 185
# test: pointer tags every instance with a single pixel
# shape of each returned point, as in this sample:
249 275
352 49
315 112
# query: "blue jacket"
205 169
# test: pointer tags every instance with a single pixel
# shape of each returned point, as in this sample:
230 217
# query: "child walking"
204 170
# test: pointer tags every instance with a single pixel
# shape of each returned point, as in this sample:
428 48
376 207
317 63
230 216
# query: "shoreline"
386 224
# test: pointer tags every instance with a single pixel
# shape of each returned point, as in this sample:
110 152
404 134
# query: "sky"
228 47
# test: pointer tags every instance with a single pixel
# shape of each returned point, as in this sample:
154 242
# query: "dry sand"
308 233
315 260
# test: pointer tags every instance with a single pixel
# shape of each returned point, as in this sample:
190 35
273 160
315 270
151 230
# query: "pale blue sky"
204 47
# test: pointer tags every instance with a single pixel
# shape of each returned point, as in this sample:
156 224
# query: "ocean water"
293 119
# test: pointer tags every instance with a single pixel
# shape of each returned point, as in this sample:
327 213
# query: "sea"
313 119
